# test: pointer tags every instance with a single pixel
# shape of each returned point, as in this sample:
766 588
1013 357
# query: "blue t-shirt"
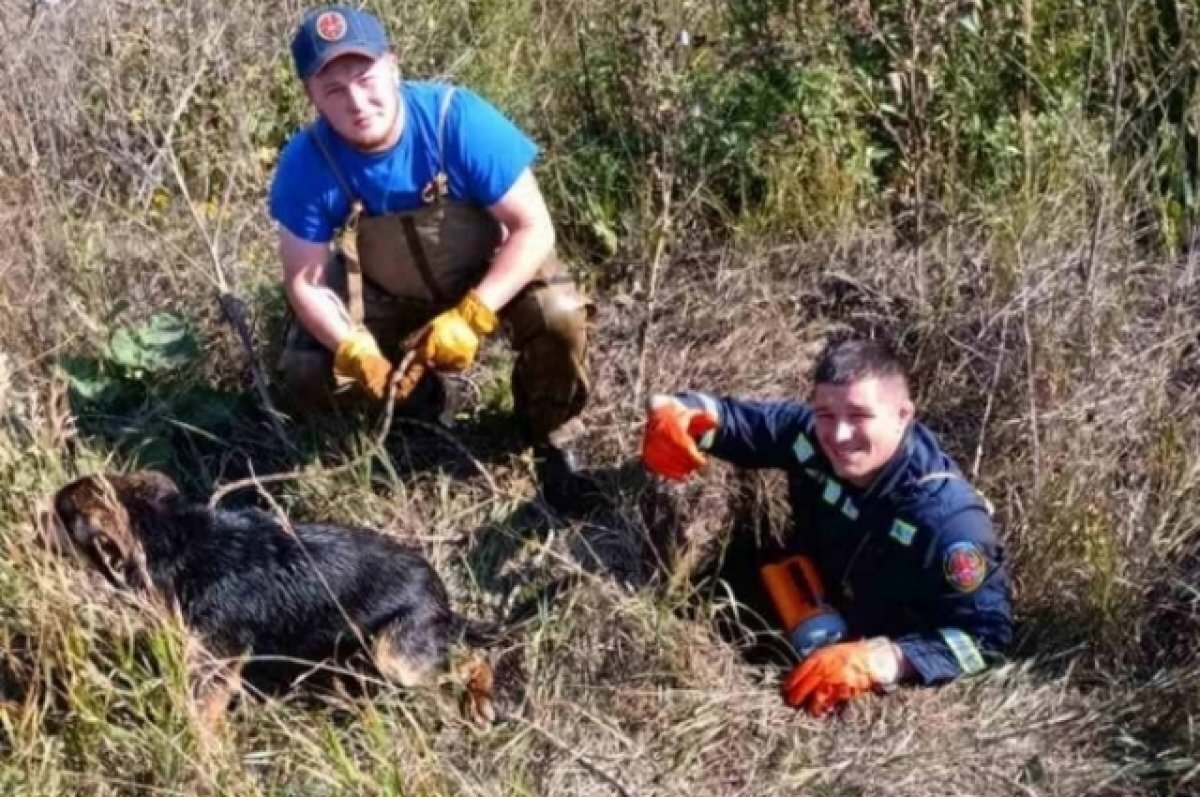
483 154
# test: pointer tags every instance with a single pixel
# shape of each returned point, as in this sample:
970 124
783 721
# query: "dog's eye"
112 553
106 556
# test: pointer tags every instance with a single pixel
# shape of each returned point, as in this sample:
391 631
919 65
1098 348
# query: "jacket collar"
892 473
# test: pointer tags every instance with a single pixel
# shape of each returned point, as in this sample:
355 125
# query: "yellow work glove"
358 360
451 339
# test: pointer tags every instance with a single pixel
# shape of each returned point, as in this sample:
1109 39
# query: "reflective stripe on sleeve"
966 652
710 406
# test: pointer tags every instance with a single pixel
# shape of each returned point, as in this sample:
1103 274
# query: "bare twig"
231 306
991 399
378 442
234 310
457 445
282 517
181 106
662 234
1036 453
1089 269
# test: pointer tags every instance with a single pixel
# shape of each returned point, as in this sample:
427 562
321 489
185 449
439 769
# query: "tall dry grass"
1054 352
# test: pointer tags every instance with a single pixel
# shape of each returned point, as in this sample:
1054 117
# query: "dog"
250 585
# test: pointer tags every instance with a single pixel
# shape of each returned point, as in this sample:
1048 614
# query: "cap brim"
334 53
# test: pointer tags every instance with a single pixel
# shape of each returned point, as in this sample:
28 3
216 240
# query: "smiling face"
861 424
358 97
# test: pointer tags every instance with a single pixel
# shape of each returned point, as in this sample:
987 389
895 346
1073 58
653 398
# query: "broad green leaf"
162 343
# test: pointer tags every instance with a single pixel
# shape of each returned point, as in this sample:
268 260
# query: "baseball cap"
331 31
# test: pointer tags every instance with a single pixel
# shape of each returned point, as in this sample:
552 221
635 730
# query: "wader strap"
354 275
431 194
348 238
437 188
418 252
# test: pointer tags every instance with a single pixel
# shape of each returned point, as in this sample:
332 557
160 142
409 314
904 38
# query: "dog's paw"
475 673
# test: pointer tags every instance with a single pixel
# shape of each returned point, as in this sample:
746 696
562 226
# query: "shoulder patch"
964 566
803 448
902 532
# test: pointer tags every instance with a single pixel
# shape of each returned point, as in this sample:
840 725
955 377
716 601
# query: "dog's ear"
93 520
147 485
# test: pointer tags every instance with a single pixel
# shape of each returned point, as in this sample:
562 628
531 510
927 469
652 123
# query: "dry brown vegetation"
1056 351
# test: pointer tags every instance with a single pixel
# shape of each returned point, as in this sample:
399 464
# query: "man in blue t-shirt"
899 576
424 196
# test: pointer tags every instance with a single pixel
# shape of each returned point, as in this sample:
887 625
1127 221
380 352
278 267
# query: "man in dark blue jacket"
904 545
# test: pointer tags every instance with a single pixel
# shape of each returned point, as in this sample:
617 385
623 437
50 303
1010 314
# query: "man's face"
357 95
860 425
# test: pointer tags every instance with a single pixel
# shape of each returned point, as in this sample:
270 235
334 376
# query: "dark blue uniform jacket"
914 557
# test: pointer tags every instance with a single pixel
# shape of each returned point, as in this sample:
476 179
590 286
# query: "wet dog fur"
252 586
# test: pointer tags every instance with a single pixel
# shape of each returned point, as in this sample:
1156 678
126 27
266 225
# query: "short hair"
842 362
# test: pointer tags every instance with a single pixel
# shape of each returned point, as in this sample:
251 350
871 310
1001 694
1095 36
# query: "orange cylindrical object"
795 588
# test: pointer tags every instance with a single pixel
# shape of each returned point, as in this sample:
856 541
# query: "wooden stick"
403 380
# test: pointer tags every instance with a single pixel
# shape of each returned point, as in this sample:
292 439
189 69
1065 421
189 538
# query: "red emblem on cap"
965 566
331 26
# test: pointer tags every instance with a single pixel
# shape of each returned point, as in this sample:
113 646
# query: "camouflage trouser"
545 323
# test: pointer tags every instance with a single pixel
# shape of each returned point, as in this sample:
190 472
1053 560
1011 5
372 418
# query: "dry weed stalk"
1057 359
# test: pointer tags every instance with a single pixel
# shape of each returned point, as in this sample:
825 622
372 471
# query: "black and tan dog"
251 585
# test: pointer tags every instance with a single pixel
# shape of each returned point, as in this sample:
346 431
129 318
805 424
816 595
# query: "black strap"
438 188
422 262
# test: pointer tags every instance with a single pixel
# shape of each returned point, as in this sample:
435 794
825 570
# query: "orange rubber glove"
357 359
452 339
839 673
669 442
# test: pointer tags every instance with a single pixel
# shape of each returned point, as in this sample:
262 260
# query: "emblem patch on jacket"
965 566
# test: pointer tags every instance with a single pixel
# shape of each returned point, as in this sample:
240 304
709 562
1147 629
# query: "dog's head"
91 516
